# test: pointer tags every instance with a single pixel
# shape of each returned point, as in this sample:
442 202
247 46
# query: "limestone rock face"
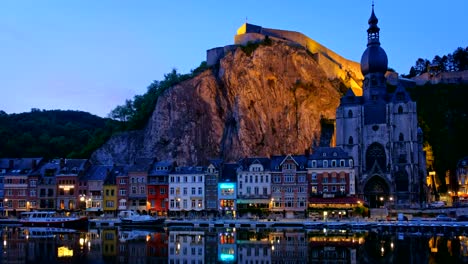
266 103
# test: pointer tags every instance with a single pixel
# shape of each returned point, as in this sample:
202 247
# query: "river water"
227 245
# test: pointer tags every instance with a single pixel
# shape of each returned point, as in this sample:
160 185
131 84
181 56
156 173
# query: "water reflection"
227 245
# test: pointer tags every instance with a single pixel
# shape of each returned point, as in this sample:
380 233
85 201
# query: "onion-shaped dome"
374 59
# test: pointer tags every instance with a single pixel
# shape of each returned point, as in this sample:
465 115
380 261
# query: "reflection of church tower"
379 129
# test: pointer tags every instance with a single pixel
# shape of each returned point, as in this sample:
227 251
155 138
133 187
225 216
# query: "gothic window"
376 153
401 137
400 109
350 141
401 180
350 114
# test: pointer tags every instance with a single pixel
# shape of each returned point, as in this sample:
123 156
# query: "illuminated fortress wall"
335 66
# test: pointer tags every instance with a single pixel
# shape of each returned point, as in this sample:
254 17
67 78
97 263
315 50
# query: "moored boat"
52 219
132 218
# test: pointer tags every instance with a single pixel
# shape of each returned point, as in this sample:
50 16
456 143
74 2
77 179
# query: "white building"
187 189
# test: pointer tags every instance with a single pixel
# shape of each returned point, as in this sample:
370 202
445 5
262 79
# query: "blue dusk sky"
91 55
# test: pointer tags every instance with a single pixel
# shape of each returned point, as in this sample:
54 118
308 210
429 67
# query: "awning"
336 200
253 201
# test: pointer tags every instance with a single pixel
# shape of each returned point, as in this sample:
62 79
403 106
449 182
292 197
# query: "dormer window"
324 154
314 164
325 163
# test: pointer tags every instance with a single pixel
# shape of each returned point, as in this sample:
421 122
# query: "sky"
91 56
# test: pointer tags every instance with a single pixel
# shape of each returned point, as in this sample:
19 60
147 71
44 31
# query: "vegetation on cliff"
135 113
443 116
456 61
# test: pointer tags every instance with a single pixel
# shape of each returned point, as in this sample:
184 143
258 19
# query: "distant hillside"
55 133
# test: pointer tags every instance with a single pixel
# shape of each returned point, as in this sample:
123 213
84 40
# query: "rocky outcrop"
268 102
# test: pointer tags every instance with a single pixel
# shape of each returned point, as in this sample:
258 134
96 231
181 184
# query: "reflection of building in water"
157 247
253 247
92 241
211 246
288 247
333 248
109 242
186 247
227 248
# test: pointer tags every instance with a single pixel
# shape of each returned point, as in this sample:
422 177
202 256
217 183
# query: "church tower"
380 131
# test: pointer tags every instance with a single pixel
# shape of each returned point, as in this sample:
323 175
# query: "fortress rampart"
335 66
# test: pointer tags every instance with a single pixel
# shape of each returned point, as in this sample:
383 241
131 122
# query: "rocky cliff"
267 102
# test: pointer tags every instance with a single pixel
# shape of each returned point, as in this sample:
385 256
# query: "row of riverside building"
289 185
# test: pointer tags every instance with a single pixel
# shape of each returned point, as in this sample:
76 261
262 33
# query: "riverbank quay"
414 226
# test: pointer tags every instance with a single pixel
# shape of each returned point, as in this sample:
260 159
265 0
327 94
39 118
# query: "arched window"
350 141
400 109
350 114
376 154
401 180
401 137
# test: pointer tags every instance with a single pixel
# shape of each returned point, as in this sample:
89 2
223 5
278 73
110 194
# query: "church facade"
380 131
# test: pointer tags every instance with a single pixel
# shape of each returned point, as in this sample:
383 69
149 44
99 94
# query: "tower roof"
374 59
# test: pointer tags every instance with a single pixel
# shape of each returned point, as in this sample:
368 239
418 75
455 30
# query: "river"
228 245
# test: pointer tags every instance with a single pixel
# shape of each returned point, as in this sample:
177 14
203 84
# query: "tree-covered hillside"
55 133
443 116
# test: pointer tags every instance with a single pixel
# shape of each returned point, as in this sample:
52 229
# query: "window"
333 188
249 190
400 110
277 179
314 189
342 188
172 178
350 141
151 191
162 190
265 191
333 163
184 204
401 137
301 178
342 163
350 114
109 203
32 183
256 178
200 178
193 190
314 177
185 191
172 191
314 164
266 178
142 190
32 193
325 179
122 192
325 188
246 179
325 163
200 191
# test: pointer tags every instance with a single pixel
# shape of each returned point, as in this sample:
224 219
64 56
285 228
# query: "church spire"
373 31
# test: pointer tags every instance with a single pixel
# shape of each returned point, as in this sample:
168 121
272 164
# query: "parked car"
462 218
443 217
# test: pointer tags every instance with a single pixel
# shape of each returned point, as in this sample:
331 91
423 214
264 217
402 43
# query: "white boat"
128 235
132 218
44 232
52 219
